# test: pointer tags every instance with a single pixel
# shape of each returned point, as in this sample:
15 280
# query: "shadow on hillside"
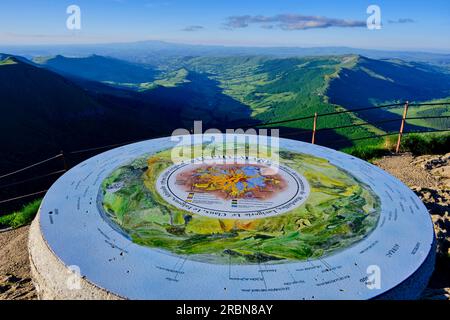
384 81
330 139
202 99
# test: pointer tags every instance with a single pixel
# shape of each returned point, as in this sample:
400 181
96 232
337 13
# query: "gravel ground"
428 176
15 281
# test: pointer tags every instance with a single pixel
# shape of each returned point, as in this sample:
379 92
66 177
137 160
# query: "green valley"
114 99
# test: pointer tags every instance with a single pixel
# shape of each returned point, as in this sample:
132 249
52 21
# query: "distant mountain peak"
9 59
99 68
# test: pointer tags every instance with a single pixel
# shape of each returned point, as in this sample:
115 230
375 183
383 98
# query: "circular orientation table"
232 223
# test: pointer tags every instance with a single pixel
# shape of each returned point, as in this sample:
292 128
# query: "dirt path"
403 168
15 282
428 176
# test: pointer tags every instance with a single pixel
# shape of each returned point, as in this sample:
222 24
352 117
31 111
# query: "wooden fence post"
314 129
66 167
402 126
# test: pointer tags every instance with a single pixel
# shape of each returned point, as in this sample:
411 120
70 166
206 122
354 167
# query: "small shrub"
21 217
416 143
419 144
368 152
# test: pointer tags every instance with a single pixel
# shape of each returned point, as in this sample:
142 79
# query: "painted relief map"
233 181
145 222
245 212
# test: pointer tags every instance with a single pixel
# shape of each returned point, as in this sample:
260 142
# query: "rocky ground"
15 281
428 176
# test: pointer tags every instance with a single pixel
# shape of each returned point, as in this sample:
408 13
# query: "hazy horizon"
225 46
405 25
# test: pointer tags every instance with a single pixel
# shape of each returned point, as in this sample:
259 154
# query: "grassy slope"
428 111
7 61
98 68
46 112
39 105
428 143
279 89
114 72
372 82
218 89
274 89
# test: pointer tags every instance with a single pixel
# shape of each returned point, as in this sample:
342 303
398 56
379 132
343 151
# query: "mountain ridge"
98 68
47 112
152 50
221 91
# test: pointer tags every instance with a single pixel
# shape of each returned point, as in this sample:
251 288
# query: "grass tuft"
416 143
419 144
368 152
21 217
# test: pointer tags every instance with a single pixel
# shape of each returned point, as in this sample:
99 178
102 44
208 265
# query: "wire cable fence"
31 166
32 179
312 131
23 196
101 148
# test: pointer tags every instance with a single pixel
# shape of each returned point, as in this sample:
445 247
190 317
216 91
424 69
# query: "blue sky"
407 25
